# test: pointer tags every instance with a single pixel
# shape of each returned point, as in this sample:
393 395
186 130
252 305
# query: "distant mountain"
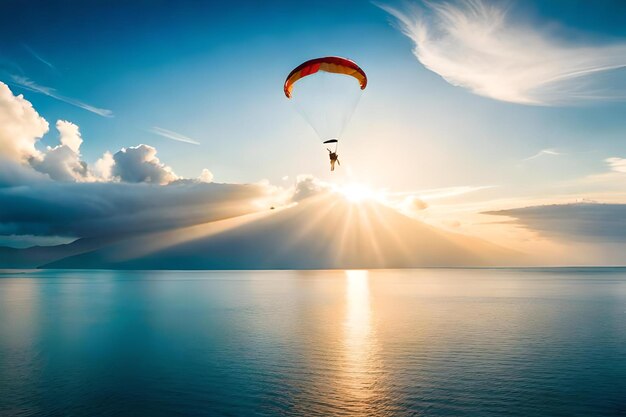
40 255
323 232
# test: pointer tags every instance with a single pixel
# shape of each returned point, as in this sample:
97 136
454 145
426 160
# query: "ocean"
424 342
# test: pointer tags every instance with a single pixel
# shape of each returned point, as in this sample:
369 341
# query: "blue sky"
213 72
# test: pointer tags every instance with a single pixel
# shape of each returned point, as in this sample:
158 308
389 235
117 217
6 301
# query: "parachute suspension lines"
326 102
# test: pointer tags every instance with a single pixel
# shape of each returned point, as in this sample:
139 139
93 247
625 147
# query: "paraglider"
326 101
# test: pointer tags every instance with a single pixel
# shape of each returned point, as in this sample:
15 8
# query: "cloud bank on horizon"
477 45
617 164
588 222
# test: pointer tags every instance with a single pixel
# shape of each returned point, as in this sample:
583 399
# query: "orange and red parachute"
332 64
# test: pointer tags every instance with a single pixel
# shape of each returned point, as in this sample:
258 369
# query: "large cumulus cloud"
20 126
307 186
63 162
140 164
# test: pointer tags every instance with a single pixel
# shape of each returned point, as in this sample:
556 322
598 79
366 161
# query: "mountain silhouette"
320 232
34 256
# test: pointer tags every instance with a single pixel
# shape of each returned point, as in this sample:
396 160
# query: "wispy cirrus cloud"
476 45
39 57
173 135
28 84
445 192
543 152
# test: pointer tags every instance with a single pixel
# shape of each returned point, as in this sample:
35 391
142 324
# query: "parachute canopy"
331 141
333 64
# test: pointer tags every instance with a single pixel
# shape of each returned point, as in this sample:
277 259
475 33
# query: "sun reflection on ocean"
361 368
358 311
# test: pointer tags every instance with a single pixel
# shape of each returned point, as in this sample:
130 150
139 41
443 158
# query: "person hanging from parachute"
334 157
328 109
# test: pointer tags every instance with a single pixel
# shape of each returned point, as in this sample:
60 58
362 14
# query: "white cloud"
140 164
63 163
104 166
69 135
173 135
205 176
617 164
20 129
476 45
307 186
30 85
20 126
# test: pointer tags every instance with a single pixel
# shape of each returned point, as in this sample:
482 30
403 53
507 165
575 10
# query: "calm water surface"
412 342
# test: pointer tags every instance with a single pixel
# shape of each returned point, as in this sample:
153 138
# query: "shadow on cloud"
581 222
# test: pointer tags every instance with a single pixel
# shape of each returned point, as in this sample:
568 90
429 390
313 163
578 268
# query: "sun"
357 193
